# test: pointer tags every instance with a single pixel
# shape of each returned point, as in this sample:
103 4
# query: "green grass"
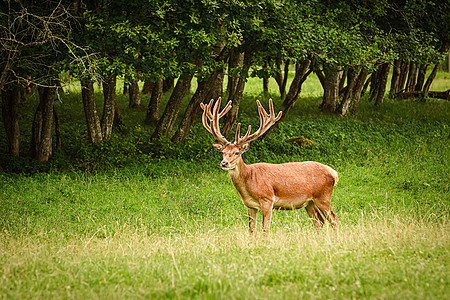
136 218
369 260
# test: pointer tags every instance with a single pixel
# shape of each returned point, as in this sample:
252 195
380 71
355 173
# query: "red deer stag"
271 186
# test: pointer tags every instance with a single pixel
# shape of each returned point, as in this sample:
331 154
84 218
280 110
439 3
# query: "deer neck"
239 172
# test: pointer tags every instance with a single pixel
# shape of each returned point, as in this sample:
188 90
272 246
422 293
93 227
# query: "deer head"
232 151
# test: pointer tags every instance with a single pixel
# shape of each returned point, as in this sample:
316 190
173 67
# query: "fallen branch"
414 94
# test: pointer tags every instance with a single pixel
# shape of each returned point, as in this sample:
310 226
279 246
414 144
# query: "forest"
109 185
350 46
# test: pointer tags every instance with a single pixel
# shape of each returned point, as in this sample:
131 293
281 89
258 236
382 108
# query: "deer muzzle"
224 164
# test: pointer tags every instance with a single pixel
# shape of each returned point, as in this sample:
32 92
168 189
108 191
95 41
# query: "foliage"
165 38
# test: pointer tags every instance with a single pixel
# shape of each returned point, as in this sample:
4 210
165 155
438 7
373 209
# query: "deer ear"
217 147
244 147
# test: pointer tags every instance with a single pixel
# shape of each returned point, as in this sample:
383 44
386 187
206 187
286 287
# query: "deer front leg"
266 209
252 219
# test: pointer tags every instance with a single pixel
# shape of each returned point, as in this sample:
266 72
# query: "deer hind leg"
314 215
325 207
266 210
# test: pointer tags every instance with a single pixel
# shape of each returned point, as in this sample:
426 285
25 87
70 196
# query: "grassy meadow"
135 218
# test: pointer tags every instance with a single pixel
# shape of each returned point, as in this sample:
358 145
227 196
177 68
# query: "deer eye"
236 153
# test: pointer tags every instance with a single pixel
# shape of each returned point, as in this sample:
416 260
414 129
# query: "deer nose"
224 164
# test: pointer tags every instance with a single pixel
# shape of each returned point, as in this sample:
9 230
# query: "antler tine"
238 133
213 126
265 122
215 119
225 109
207 114
215 122
272 112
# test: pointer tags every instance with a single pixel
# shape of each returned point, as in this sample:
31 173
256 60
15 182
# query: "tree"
94 129
41 138
235 94
262 45
167 121
129 37
205 91
10 114
347 40
134 93
203 39
421 34
152 115
36 39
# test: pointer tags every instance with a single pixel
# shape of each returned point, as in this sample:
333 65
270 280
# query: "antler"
213 125
266 121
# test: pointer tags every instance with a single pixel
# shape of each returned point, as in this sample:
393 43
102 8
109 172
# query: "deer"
265 186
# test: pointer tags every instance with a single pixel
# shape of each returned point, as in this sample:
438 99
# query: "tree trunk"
148 87
330 91
366 84
266 85
395 80
404 68
217 90
117 114
357 90
135 96
382 81
173 106
94 128
168 84
265 81
236 97
153 105
301 73
430 79
421 77
374 80
10 114
236 61
413 94
57 129
109 96
203 90
281 78
210 88
41 137
344 107
342 81
412 77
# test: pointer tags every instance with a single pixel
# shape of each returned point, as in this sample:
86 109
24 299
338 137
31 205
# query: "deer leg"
266 209
325 208
252 219
315 215
331 217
